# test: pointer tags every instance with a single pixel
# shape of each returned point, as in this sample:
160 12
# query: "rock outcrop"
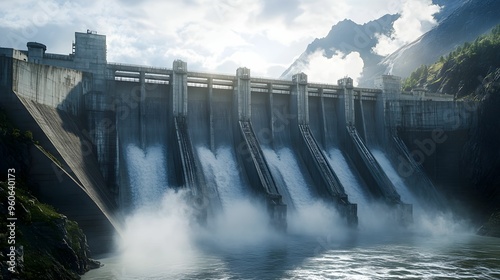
47 244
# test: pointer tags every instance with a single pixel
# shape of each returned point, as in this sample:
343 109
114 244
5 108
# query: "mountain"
447 8
463 70
468 21
346 37
472 72
459 21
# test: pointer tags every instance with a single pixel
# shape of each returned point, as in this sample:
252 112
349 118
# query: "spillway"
224 170
146 171
285 165
347 177
399 184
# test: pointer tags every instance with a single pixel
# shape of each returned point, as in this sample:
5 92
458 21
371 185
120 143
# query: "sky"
216 36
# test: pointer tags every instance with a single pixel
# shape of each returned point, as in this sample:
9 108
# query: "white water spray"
351 184
243 222
397 181
223 166
164 242
314 217
147 173
159 240
285 162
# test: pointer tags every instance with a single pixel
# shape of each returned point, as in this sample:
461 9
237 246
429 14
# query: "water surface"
395 256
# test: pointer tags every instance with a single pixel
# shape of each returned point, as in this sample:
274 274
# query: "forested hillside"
462 71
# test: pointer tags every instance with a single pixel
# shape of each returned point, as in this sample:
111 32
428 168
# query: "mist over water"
159 239
162 239
312 216
425 221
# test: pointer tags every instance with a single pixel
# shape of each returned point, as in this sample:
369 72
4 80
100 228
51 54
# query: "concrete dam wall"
257 120
48 101
223 137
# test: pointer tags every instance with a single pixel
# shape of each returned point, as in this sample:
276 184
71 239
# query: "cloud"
328 70
209 35
417 17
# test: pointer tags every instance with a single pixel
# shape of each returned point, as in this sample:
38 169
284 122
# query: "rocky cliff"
482 152
46 244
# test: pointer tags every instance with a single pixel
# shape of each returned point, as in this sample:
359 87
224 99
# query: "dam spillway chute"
223 167
205 197
330 180
347 177
285 165
377 180
146 170
325 179
257 166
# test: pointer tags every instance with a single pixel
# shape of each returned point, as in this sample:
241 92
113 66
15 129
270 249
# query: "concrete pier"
254 161
327 182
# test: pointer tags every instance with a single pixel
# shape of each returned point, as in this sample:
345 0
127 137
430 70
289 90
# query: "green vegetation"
472 73
8 131
53 247
463 70
18 140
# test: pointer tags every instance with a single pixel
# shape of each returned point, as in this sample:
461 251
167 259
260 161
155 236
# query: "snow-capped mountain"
346 37
468 21
458 21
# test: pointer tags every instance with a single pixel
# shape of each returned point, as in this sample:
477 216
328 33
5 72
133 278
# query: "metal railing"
186 152
385 185
324 167
258 157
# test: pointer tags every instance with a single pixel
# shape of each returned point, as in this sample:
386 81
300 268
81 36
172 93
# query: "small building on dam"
119 135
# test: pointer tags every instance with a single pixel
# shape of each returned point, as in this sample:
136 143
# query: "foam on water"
165 242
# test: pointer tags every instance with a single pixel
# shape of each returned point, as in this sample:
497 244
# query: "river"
395 257
165 245
161 239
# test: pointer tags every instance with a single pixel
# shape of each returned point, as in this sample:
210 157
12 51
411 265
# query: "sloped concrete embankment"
47 100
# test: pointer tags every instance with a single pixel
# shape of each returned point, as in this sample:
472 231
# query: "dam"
285 142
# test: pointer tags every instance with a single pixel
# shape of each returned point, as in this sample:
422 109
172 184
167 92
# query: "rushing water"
146 184
347 178
223 167
164 242
394 176
389 256
284 162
